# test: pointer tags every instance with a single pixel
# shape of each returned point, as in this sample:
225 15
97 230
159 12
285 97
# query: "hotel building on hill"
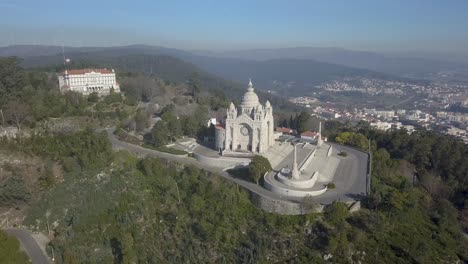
87 81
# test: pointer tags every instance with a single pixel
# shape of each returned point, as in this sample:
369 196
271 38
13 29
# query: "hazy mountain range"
288 70
406 65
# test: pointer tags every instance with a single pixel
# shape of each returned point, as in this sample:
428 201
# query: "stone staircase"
278 152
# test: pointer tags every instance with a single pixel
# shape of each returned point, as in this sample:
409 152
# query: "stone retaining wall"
222 162
283 207
290 192
303 183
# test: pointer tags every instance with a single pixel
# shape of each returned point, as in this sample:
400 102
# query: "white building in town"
248 128
87 81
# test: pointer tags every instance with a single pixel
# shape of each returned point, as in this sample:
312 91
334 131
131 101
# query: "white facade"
87 81
211 121
381 125
249 128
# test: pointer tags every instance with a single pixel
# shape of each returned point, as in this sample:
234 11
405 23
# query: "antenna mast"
63 54
65 60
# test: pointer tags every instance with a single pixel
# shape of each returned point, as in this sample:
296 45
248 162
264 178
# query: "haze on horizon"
392 26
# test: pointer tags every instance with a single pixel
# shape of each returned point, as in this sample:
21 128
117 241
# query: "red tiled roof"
284 130
309 134
83 71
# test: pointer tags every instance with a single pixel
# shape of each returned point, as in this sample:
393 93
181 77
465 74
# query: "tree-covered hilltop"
125 209
439 162
149 210
31 99
101 206
167 67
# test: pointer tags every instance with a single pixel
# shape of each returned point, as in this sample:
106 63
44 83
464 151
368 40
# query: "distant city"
439 106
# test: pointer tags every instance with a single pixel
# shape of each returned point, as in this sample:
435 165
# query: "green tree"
173 125
336 213
258 167
130 100
194 125
201 115
141 120
170 108
159 134
17 113
93 97
12 79
128 251
302 122
189 126
357 140
194 84
14 191
113 97
75 103
291 123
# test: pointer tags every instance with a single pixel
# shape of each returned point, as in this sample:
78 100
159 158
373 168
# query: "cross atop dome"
250 87
250 99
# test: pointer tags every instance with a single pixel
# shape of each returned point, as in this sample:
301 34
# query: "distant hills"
285 76
27 51
407 65
292 71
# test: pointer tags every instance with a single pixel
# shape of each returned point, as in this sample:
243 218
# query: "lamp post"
53 255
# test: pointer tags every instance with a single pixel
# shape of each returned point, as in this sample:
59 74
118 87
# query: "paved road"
117 144
29 244
348 187
350 177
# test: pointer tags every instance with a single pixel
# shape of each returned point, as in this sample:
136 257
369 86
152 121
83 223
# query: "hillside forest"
98 205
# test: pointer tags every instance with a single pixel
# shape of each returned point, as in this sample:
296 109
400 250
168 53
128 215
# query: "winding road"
350 176
141 151
30 245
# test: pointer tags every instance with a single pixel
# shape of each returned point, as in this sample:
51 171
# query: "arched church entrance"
245 137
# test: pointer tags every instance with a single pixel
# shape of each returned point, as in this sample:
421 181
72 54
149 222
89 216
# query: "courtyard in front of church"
348 173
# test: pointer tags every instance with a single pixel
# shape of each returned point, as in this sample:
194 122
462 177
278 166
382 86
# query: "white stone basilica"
248 128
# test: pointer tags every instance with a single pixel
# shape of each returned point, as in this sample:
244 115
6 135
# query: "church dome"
250 98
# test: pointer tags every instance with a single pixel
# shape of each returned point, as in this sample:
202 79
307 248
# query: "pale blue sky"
379 25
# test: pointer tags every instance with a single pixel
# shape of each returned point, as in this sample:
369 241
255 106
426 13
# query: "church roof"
284 130
250 98
83 71
309 134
